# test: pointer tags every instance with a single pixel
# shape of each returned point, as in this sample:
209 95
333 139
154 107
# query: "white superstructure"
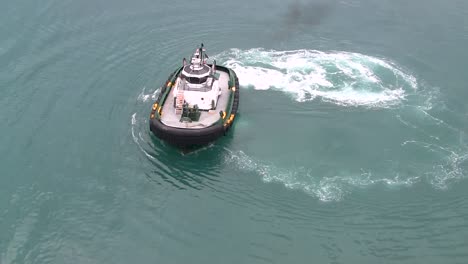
197 84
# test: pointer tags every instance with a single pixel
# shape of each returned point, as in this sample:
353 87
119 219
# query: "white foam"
324 188
145 97
335 188
133 119
343 78
136 138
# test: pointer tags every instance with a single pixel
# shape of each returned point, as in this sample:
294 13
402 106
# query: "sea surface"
351 143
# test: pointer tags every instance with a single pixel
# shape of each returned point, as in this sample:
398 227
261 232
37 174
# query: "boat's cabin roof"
198 72
191 71
196 75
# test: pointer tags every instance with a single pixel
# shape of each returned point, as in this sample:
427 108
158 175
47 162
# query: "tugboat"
197 104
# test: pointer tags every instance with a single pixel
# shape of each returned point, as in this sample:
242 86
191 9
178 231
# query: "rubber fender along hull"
186 138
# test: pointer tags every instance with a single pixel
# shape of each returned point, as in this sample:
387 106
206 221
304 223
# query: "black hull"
184 138
188 138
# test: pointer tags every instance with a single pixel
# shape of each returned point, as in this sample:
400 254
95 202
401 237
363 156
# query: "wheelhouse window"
196 80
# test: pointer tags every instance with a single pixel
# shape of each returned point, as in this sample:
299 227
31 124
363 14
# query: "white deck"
169 118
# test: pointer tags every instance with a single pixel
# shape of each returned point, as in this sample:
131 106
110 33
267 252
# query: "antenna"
201 55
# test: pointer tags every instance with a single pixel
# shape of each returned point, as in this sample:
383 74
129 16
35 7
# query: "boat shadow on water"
194 167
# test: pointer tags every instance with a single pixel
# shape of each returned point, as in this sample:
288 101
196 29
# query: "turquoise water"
350 146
